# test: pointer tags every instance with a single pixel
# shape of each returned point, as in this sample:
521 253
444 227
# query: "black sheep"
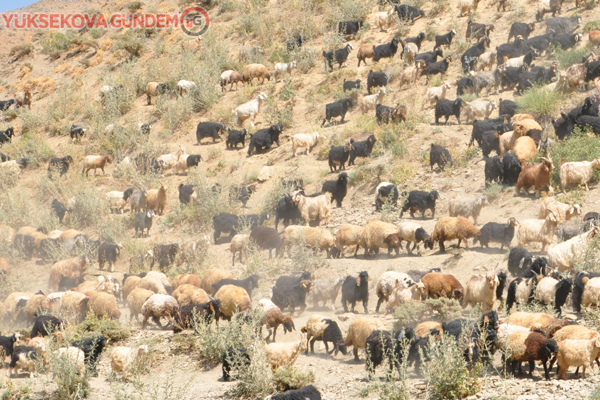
430 56
67 283
563 24
406 12
439 155
185 315
287 211
446 39
387 50
507 107
416 40
390 345
494 170
8 343
361 149
340 56
376 79
464 86
338 155
337 109
356 289
418 200
479 331
350 27
234 358
266 238
521 29
264 138
92 348
225 222
511 50
234 137
291 295
45 325
439 67
60 165
293 280
331 334
59 209
471 55
385 192
77 133
350 85
338 188
512 169
519 260
248 284
445 108
498 233
108 253
501 285
25 244
490 141
308 392
209 130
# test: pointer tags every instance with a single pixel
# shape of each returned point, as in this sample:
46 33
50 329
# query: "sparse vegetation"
581 146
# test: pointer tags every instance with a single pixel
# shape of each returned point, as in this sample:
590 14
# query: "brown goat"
157 199
537 175
95 162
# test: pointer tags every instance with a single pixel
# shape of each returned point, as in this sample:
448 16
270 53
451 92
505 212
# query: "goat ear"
358 281
369 278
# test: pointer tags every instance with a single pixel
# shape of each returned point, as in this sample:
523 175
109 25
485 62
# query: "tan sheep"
525 125
386 284
577 173
591 292
237 245
577 353
424 328
284 354
157 199
575 332
537 231
315 238
159 306
73 355
70 268
257 71
123 358
349 235
529 320
450 228
233 299
304 140
130 283
103 305
507 141
95 162
153 283
481 289
187 294
525 149
379 234
189 279
537 175
135 301
71 234
37 304
231 77
563 212
402 295
467 206
74 306
442 285
212 276
4 265
358 332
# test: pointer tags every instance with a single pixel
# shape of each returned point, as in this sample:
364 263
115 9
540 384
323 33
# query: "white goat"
116 201
479 109
437 92
385 19
185 86
168 161
562 255
577 172
304 140
282 68
249 109
562 211
369 102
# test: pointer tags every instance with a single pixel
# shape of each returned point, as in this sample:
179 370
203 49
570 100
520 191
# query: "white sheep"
11 165
467 206
505 330
312 208
387 282
401 295
157 306
481 289
369 102
562 211
479 109
537 230
577 173
282 68
437 92
285 354
184 86
249 109
562 256
577 353
123 358
413 233
304 140
135 301
326 289
168 161
591 292
385 19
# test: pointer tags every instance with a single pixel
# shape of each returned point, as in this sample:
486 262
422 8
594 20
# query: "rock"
265 174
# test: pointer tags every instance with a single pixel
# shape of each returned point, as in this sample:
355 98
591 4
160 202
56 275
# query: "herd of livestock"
564 231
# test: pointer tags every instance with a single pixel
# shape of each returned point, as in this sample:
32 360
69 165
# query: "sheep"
386 192
71 268
413 233
530 346
248 283
356 289
562 211
233 299
446 108
577 353
75 357
326 330
467 7
238 244
154 89
291 293
537 175
184 86
326 289
157 306
418 200
434 93
187 294
410 75
315 238
74 306
450 228
273 317
230 77
338 188
562 256
212 276
594 36
185 316
525 149
123 358
467 207
249 110
498 233
507 141
313 207
554 292
267 238
383 20
424 328
308 392
400 295
135 300
340 56
350 235
358 332
368 103
103 304
537 230
479 109
143 221
284 354
36 304
442 285
481 289
386 284
304 140
45 325
379 234
577 173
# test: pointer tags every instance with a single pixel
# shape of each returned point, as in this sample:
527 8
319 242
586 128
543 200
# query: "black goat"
234 137
331 334
338 188
350 85
92 348
45 325
511 170
430 56
376 79
439 155
471 55
356 289
406 12
234 358
362 148
494 170
387 50
521 29
264 138
249 283
340 56
445 108
438 67
338 155
60 165
416 40
350 27
59 209
446 39
337 109
498 233
287 211
418 200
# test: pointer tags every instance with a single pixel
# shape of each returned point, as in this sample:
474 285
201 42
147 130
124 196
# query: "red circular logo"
194 21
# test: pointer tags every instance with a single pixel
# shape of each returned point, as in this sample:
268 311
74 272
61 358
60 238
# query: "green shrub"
569 57
56 43
542 104
94 326
71 385
413 312
290 379
20 51
579 147
493 191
